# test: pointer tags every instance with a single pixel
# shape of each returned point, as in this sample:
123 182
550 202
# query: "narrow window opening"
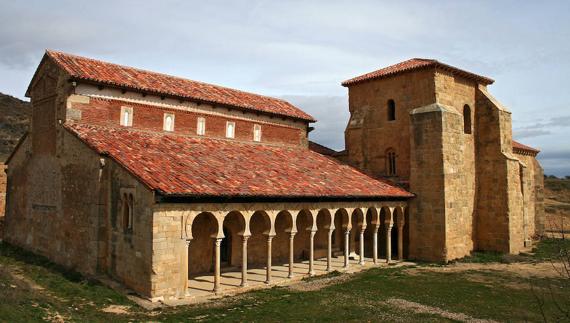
127 209
466 119
230 129
257 132
126 116
391 110
168 122
201 127
391 162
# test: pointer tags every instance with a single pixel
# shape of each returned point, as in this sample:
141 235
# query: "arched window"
466 119
391 110
391 162
168 122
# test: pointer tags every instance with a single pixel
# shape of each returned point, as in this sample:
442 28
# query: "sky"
302 50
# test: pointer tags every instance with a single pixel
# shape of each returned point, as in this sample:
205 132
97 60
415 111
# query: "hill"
14 120
557 203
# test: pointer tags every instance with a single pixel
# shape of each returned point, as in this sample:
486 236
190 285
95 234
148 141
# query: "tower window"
126 116
391 162
201 126
391 110
256 132
168 124
466 119
230 129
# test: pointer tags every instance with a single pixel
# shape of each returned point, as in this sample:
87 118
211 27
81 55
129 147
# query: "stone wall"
454 93
369 134
467 180
428 215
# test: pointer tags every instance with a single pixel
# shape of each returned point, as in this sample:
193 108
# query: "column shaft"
291 254
268 269
312 253
361 260
346 250
329 250
388 242
244 262
217 272
375 245
184 272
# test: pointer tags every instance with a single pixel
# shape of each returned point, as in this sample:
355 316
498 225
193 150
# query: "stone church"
154 180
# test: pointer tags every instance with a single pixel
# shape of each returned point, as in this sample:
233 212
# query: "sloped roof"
104 73
178 165
520 148
414 64
323 150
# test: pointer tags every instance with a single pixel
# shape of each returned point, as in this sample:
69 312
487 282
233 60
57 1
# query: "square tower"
436 129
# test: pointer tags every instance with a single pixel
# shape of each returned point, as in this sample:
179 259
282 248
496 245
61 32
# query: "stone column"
329 250
388 242
217 272
244 261
291 253
361 260
268 269
346 250
375 244
312 253
184 272
401 240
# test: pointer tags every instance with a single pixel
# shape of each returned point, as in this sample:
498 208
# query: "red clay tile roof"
414 64
520 148
174 164
323 150
82 68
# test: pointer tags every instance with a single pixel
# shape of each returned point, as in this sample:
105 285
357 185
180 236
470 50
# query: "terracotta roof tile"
413 64
82 68
181 165
518 147
323 150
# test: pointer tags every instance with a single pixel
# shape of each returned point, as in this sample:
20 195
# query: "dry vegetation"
557 206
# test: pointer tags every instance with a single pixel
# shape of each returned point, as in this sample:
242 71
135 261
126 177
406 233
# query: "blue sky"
302 50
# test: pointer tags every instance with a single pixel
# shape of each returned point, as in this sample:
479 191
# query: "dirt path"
524 270
420 308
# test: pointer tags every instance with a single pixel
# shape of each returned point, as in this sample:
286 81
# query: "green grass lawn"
481 293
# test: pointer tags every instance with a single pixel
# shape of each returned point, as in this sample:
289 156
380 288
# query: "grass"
482 294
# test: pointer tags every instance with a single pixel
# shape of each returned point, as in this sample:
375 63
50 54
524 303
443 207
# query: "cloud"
332 116
542 128
306 48
555 162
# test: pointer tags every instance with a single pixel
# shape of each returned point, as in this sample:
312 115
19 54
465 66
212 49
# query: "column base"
243 285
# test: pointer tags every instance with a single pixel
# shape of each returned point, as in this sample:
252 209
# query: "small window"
168 122
201 126
391 110
230 129
256 132
128 206
466 119
126 116
391 162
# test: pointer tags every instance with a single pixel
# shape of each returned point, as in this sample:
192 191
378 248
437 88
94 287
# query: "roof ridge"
159 73
142 80
413 64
